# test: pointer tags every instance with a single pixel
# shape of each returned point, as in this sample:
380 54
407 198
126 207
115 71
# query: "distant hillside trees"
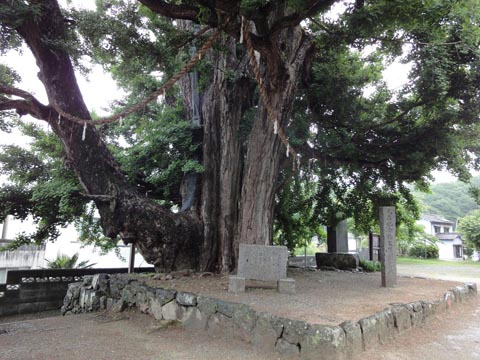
451 200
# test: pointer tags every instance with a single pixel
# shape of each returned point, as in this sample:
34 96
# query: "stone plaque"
388 246
342 236
262 262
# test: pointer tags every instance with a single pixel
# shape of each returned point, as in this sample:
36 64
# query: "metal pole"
5 228
131 262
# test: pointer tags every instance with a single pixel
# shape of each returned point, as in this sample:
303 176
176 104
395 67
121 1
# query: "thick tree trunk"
223 104
237 201
265 150
331 239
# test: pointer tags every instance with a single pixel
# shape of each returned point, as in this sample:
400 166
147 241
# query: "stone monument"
342 237
264 264
337 238
388 246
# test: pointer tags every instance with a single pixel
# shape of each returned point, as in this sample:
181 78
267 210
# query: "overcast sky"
99 89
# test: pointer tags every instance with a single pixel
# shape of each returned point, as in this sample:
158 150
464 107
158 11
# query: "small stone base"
236 284
286 286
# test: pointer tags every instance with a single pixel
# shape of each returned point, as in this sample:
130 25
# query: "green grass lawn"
418 261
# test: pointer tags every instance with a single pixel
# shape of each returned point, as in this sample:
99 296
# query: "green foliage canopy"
451 200
360 141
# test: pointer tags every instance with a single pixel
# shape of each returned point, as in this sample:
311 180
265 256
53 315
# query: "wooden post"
370 245
305 254
131 262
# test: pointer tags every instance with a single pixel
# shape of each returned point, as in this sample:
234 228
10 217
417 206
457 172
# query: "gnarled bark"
265 150
223 101
236 197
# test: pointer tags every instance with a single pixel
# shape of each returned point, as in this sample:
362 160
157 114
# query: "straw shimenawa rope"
195 59
161 91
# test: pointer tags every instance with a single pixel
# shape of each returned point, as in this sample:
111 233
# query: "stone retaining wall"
28 291
288 337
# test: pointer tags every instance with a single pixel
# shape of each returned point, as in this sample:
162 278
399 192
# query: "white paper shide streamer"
241 30
84 131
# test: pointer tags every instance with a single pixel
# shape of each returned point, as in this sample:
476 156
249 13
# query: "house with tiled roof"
450 243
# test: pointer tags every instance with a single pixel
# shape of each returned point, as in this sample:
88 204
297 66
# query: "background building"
450 243
68 243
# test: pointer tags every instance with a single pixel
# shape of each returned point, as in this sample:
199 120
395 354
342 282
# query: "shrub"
312 248
418 250
468 251
63 261
370 266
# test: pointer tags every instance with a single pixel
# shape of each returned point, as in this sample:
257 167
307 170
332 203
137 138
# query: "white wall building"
34 257
450 244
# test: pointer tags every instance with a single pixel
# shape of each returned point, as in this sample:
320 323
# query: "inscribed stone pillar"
342 236
388 246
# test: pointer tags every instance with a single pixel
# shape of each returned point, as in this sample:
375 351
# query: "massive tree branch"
228 15
23 107
10 90
165 239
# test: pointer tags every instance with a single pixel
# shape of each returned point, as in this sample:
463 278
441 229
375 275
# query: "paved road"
455 336
452 336
469 273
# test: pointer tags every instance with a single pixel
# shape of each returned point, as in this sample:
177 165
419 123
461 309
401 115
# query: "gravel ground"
322 297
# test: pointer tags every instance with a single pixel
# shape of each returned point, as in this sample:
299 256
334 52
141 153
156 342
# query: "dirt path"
136 336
